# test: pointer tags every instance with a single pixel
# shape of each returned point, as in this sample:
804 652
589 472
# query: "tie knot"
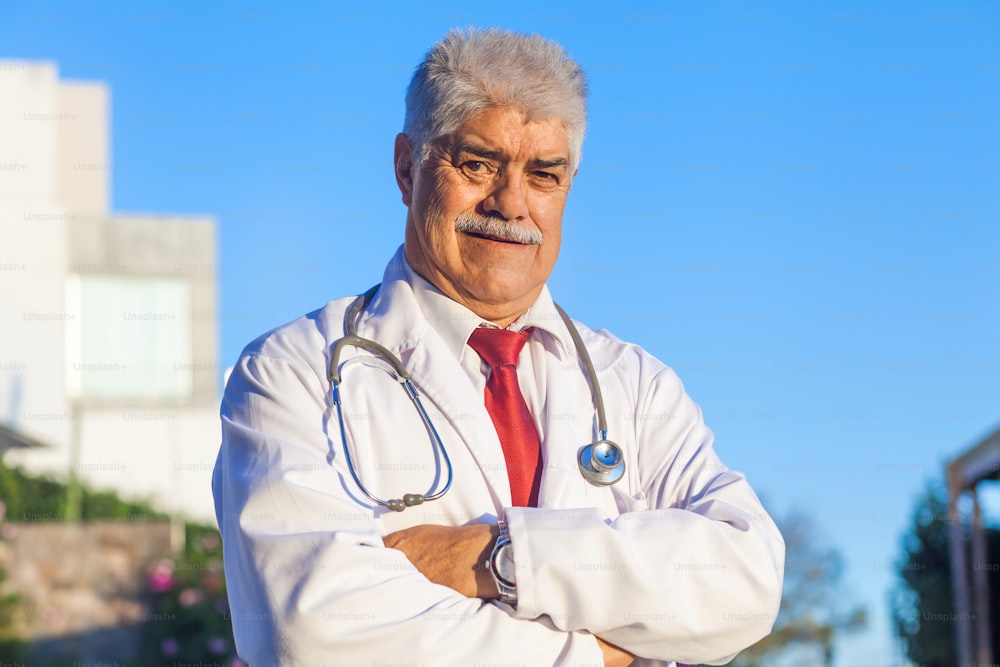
498 347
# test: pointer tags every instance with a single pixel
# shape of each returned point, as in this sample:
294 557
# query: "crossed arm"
458 556
692 573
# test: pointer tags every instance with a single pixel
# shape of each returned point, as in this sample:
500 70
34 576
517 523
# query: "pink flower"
190 596
212 581
237 662
161 576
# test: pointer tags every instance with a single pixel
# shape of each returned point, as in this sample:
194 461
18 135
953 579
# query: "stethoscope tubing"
600 462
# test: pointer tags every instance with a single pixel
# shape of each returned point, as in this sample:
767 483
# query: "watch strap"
502 548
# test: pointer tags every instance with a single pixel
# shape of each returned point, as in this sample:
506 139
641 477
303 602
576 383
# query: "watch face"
505 565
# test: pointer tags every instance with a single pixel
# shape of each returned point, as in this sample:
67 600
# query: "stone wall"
82 586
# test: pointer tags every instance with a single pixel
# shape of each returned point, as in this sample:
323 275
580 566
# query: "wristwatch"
502 566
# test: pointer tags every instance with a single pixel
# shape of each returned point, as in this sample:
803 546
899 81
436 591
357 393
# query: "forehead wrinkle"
509 137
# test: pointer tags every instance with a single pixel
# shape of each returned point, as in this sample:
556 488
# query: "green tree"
922 602
813 611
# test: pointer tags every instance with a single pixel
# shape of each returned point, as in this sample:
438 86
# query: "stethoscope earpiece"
601 462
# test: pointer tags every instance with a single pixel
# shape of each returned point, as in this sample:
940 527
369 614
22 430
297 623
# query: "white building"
108 321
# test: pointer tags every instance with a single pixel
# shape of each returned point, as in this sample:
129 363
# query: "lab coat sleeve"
310 581
693 574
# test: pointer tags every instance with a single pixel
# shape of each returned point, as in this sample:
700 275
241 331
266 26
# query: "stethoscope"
600 462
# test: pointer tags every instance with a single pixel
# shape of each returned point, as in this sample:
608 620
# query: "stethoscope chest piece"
601 462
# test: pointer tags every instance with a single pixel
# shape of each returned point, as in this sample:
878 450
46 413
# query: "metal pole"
74 492
981 588
959 574
177 522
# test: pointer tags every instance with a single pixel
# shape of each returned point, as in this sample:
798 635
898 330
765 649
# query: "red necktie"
521 448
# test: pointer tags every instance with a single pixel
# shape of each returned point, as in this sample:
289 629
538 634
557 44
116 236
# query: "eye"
545 178
477 169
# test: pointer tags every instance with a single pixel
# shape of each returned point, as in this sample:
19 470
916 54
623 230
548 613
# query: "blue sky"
796 205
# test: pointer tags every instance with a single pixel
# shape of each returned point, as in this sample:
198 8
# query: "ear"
403 162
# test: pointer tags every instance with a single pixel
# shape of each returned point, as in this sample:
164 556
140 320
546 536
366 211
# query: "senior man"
462 519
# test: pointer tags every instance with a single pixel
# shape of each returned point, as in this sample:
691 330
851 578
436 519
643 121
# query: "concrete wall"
84 152
81 585
30 119
33 319
166 454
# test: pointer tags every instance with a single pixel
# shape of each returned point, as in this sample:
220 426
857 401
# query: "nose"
508 197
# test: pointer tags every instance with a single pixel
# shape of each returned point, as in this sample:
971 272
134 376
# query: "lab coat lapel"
449 388
394 319
568 424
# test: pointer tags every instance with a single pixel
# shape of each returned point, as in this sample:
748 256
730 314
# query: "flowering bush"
11 646
189 621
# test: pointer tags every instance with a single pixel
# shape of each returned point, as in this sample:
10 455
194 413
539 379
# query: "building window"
130 340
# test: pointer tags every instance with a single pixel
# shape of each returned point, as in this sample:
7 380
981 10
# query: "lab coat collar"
453 322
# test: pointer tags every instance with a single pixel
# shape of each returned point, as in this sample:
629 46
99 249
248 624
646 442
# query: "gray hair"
471 70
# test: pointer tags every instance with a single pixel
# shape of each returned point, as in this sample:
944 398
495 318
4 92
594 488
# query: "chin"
502 296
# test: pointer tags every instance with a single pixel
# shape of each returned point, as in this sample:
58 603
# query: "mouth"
497 239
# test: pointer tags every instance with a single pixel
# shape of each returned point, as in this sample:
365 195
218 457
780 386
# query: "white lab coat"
676 562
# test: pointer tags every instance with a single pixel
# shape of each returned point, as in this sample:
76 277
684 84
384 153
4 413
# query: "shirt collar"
455 323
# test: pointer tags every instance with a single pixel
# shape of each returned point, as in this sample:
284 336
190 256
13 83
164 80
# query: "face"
512 176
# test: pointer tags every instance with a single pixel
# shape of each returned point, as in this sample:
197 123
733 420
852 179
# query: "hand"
453 556
458 557
613 655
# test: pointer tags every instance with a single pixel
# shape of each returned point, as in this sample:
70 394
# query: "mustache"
497 228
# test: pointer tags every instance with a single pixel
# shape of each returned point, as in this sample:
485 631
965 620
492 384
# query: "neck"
502 314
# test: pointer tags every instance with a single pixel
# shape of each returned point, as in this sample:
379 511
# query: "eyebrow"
550 164
479 151
483 152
